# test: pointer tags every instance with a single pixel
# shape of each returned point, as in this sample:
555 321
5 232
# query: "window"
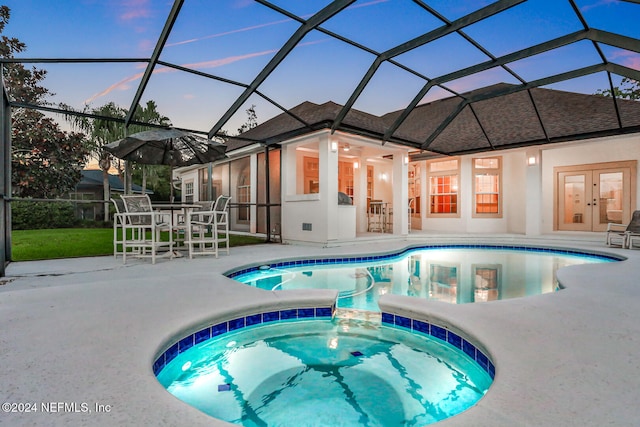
345 177
311 175
443 188
443 283
487 184
188 191
244 198
486 283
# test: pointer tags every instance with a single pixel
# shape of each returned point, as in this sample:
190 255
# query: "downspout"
268 191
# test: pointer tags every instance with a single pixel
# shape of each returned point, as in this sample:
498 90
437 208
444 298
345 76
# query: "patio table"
175 210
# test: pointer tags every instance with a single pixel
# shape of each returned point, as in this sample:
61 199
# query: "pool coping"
561 358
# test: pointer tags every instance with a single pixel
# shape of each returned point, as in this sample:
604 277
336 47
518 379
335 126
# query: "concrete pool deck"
79 336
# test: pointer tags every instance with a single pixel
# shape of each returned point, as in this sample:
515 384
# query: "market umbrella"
167 147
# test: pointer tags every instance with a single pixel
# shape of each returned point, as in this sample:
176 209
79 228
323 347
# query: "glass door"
591 196
611 198
574 208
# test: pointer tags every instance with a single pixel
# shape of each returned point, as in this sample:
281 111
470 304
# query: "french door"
590 196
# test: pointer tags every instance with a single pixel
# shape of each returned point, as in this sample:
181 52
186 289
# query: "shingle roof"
314 117
530 117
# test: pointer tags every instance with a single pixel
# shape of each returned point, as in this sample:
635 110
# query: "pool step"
363 315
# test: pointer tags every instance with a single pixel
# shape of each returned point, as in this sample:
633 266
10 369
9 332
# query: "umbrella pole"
172 195
128 187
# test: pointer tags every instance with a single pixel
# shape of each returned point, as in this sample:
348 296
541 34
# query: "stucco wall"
528 191
600 150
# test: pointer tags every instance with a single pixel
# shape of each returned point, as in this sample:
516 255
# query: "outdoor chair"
625 237
208 229
142 228
375 216
118 227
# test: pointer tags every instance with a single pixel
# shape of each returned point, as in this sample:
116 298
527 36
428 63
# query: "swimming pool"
322 372
455 274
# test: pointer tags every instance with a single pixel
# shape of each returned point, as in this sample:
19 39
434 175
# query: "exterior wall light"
532 160
334 146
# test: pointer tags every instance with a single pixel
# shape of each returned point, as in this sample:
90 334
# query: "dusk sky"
235 39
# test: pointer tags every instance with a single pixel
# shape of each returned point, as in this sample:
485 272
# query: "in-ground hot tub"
302 367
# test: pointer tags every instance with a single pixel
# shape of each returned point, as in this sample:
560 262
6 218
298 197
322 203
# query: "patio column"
328 176
533 207
400 193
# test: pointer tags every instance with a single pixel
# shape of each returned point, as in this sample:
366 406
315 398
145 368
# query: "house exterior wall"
528 190
317 218
599 150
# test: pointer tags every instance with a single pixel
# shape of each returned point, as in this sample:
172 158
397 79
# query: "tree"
104 131
100 132
45 161
628 89
252 120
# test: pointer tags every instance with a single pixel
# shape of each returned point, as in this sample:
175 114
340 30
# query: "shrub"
36 215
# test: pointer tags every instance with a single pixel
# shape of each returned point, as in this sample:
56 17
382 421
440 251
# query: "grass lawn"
29 245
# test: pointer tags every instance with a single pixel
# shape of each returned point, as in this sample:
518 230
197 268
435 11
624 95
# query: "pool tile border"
388 256
391 319
185 343
445 335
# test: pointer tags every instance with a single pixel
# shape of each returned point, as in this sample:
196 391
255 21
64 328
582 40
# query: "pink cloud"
627 58
135 9
124 84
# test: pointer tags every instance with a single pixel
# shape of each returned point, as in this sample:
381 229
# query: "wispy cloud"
258 26
124 84
599 3
226 33
371 3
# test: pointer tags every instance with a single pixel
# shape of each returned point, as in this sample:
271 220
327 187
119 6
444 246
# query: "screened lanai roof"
438 75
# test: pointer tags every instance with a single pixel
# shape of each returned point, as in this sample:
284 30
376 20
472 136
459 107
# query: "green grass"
29 245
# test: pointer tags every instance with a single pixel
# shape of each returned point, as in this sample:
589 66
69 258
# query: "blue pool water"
451 274
327 373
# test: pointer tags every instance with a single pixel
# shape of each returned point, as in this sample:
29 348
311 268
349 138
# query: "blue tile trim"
202 335
213 331
445 335
382 257
256 319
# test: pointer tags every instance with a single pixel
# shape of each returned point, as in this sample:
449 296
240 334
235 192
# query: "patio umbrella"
167 147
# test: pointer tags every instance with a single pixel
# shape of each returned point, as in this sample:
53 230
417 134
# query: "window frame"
442 173
497 171
189 191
